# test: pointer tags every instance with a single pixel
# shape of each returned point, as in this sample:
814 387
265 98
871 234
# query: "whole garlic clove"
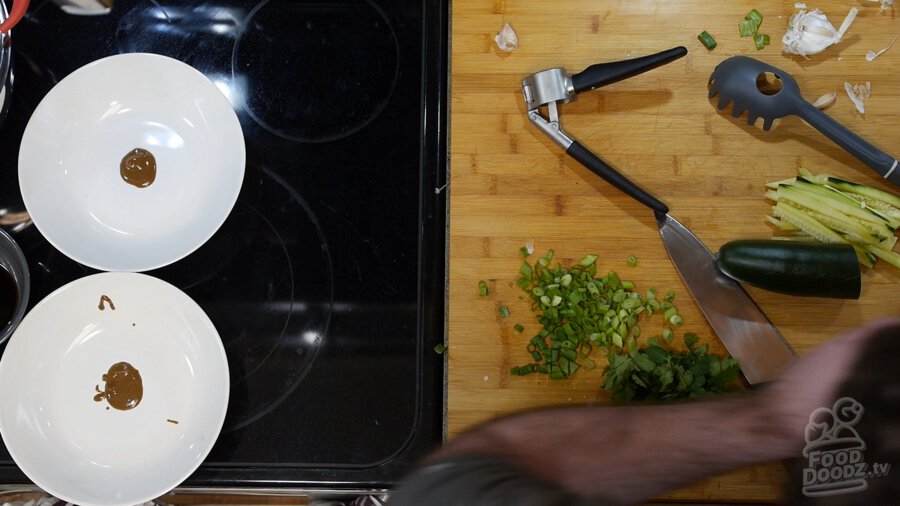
825 100
810 32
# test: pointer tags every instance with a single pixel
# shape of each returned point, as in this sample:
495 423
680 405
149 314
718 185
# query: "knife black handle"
602 74
614 177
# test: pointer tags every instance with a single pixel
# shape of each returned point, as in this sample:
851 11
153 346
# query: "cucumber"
793 268
833 210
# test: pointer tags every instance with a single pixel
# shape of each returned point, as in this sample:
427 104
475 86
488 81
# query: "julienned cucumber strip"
806 223
888 256
831 209
864 190
817 230
854 190
810 197
853 229
880 207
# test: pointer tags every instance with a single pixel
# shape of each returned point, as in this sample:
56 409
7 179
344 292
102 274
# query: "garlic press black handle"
614 177
602 74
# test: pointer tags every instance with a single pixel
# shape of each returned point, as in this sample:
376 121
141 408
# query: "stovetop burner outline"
341 88
316 345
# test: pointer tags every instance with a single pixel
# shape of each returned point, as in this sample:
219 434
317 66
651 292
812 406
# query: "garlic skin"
885 4
857 93
871 55
507 40
810 32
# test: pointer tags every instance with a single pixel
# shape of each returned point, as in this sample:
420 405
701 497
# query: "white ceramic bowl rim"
72 445
74 142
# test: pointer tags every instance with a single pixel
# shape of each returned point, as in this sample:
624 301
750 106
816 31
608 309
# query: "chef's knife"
744 329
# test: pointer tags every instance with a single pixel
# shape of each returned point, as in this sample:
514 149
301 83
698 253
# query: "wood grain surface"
510 185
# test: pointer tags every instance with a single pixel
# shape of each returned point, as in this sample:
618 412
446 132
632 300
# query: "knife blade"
747 333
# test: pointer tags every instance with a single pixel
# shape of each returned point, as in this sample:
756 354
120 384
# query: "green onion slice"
707 40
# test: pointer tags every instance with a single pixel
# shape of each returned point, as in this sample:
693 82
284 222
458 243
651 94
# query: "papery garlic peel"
871 55
858 93
507 40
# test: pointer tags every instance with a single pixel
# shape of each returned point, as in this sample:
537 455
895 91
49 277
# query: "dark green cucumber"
794 268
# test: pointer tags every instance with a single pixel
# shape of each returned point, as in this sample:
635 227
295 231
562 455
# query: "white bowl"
72 445
78 135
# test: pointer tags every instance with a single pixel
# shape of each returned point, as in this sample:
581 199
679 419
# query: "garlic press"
549 88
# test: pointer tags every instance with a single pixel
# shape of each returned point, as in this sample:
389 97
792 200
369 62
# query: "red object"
15 14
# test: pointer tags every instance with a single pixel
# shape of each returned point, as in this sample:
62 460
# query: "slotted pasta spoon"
737 79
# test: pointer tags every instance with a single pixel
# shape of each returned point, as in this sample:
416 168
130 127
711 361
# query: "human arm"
627 454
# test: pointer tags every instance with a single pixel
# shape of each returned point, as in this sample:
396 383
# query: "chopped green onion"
632 261
579 311
521 370
668 335
707 40
761 41
526 270
670 313
504 312
747 27
524 252
617 340
632 346
482 288
750 24
440 348
755 16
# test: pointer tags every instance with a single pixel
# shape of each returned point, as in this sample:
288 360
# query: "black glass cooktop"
326 281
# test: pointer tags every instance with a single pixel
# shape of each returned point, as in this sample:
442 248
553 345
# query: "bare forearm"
630 453
615 453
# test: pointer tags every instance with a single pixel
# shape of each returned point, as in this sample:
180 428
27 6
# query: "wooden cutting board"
509 185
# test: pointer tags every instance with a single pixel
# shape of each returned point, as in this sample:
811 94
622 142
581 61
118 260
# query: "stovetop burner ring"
326 77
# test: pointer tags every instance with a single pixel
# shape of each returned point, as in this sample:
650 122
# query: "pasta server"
745 330
740 80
